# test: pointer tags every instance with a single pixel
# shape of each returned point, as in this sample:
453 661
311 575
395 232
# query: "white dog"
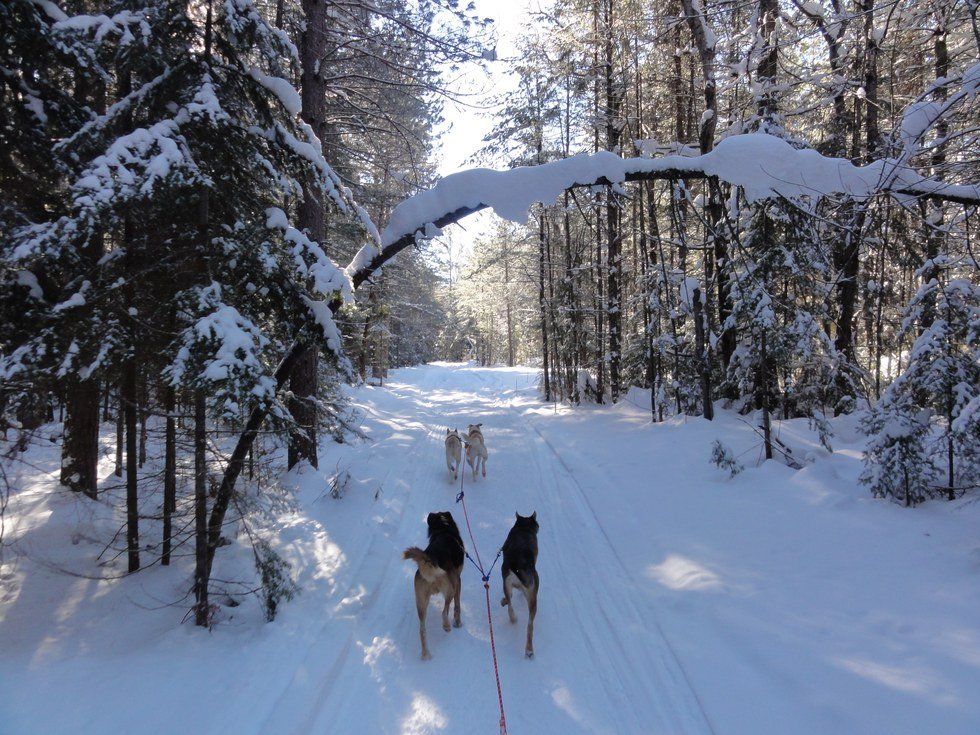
476 449
454 451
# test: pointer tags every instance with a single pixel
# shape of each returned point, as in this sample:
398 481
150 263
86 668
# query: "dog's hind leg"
483 462
422 606
508 592
457 621
531 593
447 598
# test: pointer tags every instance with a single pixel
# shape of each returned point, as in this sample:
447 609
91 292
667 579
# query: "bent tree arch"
761 165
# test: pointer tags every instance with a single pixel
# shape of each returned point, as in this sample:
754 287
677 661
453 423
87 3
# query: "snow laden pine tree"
177 256
924 434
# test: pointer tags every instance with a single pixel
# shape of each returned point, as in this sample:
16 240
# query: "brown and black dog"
519 572
439 572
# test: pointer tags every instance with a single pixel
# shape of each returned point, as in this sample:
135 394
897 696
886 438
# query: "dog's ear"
534 516
431 517
479 425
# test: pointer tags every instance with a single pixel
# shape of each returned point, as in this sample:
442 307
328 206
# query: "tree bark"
613 238
129 387
543 308
933 210
80 450
169 472
120 437
312 220
702 356
202 548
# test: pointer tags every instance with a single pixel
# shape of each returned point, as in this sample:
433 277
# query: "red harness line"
486 589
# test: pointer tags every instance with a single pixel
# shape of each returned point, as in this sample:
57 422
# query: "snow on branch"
762 165
309 259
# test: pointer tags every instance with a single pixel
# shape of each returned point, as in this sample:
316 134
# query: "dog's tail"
427 568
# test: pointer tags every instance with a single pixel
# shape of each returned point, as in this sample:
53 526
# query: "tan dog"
439 572
454 451
476 449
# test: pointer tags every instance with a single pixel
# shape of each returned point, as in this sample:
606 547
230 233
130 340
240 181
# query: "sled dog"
454 451
440 567
518 570
476 449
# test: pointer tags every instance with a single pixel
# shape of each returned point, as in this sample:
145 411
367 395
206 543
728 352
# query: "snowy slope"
673 600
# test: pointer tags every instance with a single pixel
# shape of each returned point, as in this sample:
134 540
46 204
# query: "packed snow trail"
605 670
673 600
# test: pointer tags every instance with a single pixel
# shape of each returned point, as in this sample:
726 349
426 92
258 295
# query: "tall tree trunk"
933 210
80 450
764 397
129 398
312 219
716 248
143 417
768 100
169 471
120 436
599 303
202 567
510 316
613 239
542 306
702 355
847 248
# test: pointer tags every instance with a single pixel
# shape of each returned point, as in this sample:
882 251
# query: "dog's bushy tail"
427 568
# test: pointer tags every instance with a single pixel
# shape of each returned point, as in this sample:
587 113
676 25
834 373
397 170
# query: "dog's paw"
529 654
457 623
513 617
445 627
426 655
503 602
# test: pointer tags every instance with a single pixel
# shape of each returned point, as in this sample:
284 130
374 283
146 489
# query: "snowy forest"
706 276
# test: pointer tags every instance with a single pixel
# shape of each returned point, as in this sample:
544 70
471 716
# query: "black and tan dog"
439 572
518 570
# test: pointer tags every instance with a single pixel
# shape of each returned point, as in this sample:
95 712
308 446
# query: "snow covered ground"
673 599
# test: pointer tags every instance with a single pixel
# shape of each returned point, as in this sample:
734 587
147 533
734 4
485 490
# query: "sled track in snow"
603 661
690 708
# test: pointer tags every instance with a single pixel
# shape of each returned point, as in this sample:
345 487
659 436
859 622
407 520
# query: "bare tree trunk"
80 448
933 210
143 416
716 248
80 451
202 567
543 307
312 219
702 356
613 239
132 461
120 436
510 316
169 471
600 304
764 397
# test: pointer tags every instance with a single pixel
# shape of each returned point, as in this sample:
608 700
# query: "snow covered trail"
673 600
604 670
